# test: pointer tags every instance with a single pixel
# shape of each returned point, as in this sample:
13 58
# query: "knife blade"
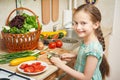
52 54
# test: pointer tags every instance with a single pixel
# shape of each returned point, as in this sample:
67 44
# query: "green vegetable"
61 35
29 22
49 56
41 36
6 58
50 36
5 30
14 30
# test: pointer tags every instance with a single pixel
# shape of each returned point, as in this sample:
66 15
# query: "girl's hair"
96 17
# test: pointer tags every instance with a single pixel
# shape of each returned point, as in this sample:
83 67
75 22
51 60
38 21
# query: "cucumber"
49 56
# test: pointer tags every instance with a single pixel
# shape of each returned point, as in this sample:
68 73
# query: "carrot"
43 52
55 36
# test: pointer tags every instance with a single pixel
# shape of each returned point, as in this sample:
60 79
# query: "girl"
91 62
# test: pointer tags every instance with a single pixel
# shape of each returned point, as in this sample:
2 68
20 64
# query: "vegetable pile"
53 35
17 21
21 24
6 58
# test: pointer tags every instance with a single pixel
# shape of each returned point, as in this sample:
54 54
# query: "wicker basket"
21 42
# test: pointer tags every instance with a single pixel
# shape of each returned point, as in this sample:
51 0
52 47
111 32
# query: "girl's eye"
74 23
83 23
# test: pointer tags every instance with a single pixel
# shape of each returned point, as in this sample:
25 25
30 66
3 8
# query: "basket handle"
22 8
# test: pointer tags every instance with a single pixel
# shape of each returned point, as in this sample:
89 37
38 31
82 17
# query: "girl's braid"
100 37
104 66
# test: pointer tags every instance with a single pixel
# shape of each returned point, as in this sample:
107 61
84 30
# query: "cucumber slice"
49 56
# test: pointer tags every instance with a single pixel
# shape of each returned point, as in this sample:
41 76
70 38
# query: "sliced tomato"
34 67
29 69
23 66
38 63
37 70
42 68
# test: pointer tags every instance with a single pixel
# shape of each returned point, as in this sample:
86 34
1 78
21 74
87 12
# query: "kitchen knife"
52 54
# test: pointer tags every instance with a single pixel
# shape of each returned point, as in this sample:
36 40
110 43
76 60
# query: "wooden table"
50 74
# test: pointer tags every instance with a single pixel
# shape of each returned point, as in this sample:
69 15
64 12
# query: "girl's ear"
96 25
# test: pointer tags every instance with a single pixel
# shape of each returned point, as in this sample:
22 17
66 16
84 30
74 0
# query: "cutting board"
45 11
55 10
44 58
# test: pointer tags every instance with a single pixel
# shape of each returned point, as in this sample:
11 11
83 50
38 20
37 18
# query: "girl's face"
83 24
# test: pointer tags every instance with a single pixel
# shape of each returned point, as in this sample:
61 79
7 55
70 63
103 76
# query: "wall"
106 7
114 50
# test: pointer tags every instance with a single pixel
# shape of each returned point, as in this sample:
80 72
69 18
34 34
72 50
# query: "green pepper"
61 35
50 36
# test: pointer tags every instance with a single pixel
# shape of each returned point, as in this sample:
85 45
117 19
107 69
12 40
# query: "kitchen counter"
51 69
43 76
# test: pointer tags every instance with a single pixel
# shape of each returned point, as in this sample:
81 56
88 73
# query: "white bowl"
70 43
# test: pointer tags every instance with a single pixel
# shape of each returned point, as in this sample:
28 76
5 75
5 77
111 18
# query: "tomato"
24 66
29 69
58 43
38 63
42 52
42 68
35 66
52 45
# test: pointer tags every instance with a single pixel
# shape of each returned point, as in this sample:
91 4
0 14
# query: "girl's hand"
67 56
56 61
